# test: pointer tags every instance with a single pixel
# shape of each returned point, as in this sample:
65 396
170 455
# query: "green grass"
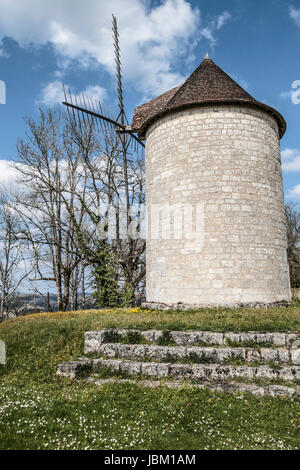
132 337
165 339
40 411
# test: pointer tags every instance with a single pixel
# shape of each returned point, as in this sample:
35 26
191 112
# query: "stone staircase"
252 362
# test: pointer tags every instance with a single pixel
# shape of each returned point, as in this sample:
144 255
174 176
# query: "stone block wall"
225 159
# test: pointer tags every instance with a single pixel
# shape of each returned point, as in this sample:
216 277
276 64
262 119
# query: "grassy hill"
40 411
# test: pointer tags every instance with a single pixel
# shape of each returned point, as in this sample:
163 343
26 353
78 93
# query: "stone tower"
210 145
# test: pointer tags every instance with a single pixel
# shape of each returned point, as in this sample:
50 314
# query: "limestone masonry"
192 359
222 155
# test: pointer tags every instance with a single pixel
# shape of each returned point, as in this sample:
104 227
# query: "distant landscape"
27 303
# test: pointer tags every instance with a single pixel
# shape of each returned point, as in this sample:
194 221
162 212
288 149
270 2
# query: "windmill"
86 113
88 110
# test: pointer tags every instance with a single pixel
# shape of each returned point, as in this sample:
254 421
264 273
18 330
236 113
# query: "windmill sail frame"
96 112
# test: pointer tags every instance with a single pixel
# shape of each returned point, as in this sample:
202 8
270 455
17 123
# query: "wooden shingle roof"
208 84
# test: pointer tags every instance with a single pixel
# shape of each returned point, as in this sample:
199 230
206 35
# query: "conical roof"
207 84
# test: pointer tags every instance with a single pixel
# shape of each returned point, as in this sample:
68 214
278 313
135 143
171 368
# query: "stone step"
94 339
230 387
197 372
198 354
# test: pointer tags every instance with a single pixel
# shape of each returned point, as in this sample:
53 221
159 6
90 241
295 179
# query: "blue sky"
43 44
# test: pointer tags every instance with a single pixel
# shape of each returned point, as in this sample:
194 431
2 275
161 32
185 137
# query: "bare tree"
113 200
78 188
78 286
293 237
13 269
46 170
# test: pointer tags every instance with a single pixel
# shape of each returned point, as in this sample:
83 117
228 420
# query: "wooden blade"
118 125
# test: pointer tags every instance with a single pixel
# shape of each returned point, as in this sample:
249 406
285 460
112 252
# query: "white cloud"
53 93
286 94
294 193
8 174
3 52
97 93
222 19
152 39
295 15
293 165
215 25
289 153
291 160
